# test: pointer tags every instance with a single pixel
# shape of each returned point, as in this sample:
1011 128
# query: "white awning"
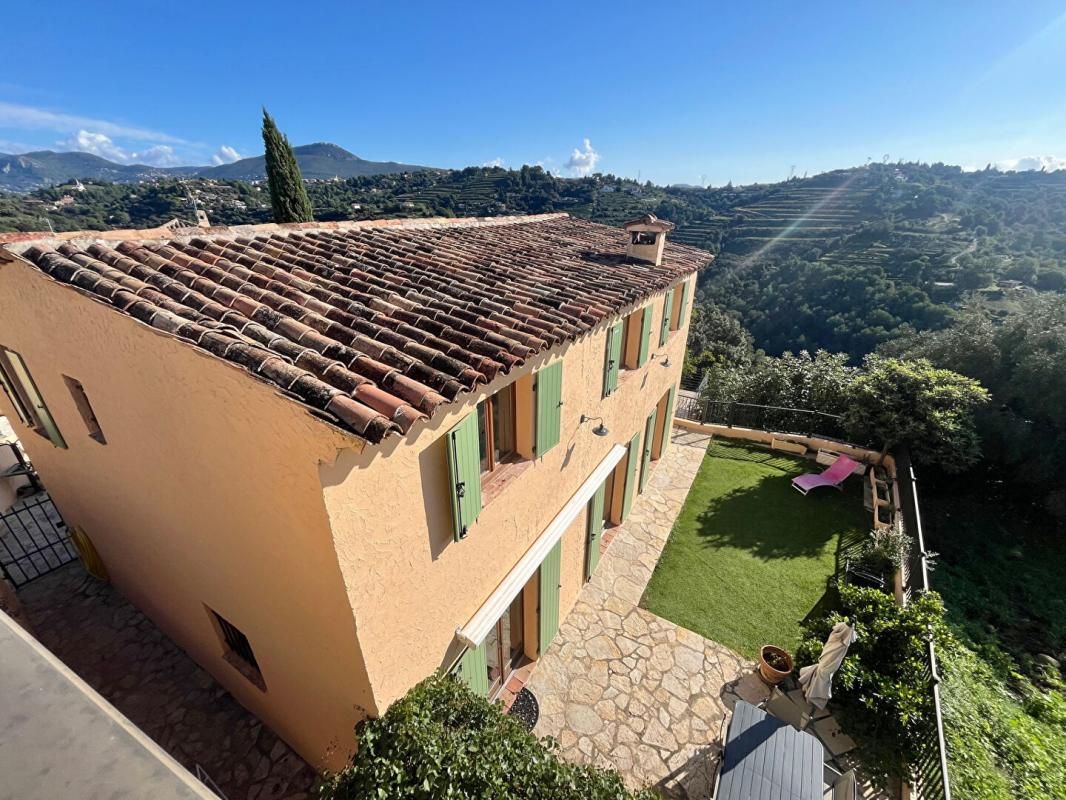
474 632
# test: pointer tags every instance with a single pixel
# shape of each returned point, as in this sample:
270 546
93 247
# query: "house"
328 459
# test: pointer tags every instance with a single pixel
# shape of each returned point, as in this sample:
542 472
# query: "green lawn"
750 557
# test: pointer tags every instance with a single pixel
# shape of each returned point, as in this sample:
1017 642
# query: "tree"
288 194
443 741
1022 361
715 338
912 403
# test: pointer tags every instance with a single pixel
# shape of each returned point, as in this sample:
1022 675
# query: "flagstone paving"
621 687
119 652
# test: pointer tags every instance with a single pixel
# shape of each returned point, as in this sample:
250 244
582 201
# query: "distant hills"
845 260
29 171
321 160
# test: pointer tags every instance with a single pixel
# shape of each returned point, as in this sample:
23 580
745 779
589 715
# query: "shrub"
1003 742
443 742
881 693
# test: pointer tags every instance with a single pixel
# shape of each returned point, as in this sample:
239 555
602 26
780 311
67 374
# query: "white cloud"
496 162
1050 163
1024 164
14 115
583 161
225 155
99 144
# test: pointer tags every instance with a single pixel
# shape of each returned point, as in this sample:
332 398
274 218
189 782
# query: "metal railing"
776 419
931 771
34 540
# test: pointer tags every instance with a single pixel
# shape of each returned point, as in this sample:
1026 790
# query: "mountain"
320 160
29 171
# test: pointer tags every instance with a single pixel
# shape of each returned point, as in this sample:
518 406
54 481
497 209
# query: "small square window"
643 237
239 651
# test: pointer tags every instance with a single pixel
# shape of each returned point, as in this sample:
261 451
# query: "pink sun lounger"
834 476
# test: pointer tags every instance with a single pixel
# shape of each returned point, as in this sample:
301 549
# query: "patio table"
766 759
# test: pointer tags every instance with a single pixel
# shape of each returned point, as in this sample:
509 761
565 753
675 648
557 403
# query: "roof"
649 221
377 324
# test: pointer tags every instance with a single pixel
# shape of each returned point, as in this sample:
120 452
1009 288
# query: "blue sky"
675 92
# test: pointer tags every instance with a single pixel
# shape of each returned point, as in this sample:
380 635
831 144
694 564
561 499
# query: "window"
239 651
637 337
7 382
643 237
496 429
81 401
18 385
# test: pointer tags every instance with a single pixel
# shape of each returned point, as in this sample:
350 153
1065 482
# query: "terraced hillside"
848 260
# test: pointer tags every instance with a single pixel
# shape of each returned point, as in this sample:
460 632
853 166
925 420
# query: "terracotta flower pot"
774 664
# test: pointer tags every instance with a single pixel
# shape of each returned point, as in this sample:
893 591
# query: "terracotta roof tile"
377 324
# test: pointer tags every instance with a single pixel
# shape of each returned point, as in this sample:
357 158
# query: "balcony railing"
777 419
931 772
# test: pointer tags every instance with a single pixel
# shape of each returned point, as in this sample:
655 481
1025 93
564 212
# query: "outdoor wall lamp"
599 430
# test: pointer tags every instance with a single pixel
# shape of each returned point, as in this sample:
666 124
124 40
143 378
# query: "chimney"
647 236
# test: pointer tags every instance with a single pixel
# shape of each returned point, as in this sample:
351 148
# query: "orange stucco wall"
207 494
409 583
337 561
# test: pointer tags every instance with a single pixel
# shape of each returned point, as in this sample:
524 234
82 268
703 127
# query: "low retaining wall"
863 454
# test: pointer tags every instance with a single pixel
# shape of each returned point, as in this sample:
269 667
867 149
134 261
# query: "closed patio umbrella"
817 679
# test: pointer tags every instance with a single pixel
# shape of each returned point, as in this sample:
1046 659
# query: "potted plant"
774 664
886 549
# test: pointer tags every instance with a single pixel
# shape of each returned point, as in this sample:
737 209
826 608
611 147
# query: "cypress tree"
288 195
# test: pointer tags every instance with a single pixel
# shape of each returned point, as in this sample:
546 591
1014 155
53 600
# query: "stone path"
621 687
126 658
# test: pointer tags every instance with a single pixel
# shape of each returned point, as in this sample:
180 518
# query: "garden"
749 558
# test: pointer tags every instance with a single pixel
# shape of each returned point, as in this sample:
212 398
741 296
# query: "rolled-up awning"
474 632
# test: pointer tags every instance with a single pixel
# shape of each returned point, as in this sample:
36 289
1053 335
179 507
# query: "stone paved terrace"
120 653
622 687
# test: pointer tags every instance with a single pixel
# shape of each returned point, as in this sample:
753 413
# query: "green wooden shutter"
464 470
612 358
668 422
550 573
38 408
668 306
645 461
549 407
631 474
474 670
684 304
595 531
12 394
645 337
